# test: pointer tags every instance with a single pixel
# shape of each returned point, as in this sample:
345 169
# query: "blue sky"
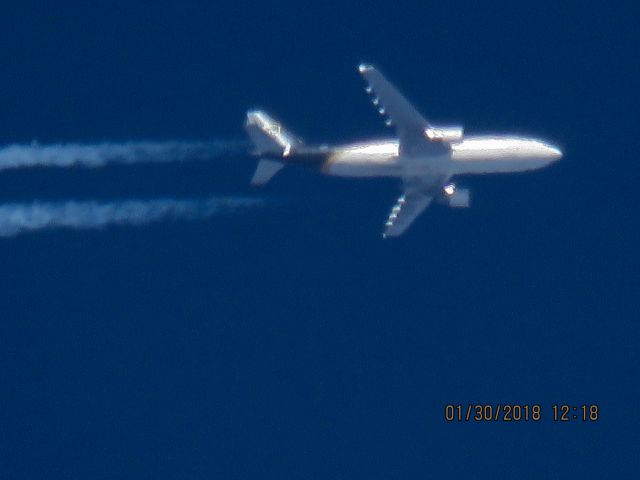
291 340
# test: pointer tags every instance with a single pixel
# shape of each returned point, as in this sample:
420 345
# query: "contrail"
20 218
101 154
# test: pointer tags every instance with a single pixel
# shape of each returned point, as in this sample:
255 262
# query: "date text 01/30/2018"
478 412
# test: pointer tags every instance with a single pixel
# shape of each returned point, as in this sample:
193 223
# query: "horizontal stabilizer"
265 171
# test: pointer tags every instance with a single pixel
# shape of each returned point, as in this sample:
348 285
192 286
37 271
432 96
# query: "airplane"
424 156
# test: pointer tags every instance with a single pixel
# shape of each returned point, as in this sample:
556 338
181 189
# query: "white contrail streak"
20 218
101 154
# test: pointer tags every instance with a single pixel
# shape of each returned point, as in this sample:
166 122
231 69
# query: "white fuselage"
473 155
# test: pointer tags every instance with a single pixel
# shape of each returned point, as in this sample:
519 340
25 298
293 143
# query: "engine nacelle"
457 197
444 134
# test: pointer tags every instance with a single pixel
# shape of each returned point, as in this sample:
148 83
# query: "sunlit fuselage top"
473 155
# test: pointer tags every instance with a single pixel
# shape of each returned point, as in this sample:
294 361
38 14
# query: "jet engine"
456 197
444 134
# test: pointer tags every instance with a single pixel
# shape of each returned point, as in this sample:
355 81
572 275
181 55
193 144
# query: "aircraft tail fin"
269 136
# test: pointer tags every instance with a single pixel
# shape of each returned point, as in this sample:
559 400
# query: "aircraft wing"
418 194
409 123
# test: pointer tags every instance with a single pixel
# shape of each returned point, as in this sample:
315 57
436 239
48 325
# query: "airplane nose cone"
553 153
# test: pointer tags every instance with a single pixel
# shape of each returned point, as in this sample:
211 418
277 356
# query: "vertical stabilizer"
269 136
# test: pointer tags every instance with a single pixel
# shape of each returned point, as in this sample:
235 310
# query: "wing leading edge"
408 207
409 123
411 128
418 194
